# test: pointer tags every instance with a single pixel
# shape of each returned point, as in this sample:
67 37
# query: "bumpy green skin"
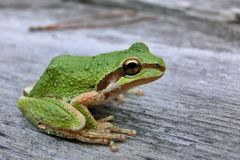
74 75
68 76
47 111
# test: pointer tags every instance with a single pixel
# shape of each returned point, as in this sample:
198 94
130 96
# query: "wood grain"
193 112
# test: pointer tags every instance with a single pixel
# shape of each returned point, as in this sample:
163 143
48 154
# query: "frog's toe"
137 92
113 146
107 126
106 119
103 135
129 132
120 98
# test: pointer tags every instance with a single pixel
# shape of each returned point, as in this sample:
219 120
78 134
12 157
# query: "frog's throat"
120 89
109 87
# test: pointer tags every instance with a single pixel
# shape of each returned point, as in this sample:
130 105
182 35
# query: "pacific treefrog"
58 103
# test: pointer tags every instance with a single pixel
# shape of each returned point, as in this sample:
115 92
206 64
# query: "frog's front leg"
102 125
90 98
95 98
120 98
137 92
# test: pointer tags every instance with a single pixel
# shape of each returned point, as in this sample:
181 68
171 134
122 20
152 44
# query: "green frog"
58 103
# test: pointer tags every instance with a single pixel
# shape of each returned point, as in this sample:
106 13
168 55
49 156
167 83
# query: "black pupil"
132 68
131 65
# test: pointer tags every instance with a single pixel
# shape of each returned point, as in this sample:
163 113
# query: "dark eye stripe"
115 75
118 73
156 65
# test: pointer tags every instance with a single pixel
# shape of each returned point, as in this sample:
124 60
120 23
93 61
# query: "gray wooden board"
193 112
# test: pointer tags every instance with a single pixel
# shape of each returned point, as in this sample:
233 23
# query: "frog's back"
65 77
68 76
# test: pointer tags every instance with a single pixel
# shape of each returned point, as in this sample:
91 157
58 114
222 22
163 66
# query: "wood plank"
191 113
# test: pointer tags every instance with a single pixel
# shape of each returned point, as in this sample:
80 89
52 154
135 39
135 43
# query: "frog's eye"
131 67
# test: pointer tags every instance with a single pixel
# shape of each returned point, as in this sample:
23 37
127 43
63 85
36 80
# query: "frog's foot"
120 98
87 136
106 119
99 136
103 126
109 127
137 92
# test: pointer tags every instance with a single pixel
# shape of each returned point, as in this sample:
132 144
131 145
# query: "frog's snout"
162 68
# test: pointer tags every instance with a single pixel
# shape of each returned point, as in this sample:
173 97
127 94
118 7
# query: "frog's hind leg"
55 114
59 118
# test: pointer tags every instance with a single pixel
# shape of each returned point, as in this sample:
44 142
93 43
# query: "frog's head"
135 66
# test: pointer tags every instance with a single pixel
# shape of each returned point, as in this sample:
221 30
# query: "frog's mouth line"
114 76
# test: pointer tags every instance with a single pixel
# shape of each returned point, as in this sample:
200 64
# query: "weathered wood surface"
193 112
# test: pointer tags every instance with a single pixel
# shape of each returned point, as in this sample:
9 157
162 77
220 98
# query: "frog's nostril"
160 67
